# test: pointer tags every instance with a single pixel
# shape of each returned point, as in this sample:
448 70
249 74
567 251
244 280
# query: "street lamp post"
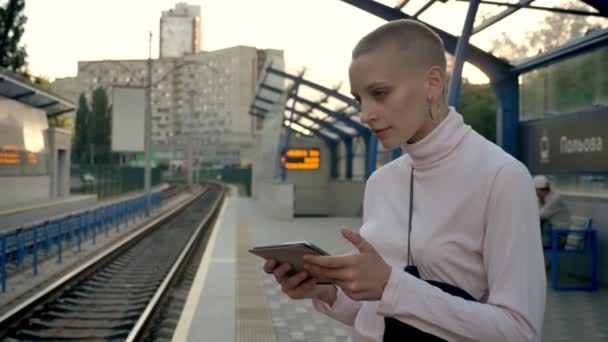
148 130
148 114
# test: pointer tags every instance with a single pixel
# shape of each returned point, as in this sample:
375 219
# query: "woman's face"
393 98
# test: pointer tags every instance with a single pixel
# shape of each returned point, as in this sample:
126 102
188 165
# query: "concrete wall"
345 198
277 199
23 189
59 140
595 207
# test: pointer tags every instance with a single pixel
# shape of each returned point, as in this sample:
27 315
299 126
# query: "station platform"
14 215
25 214
231 299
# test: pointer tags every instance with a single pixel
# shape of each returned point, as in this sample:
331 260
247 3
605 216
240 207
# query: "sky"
315 34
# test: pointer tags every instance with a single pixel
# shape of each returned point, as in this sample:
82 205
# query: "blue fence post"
87 229
94 214
35 250
79 231
70 222
106 220
115 217
59 239
20 247
47 240
3 262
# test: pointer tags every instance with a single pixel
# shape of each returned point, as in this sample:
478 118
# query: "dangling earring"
428 103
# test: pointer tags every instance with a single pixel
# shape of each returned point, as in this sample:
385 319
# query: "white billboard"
128 116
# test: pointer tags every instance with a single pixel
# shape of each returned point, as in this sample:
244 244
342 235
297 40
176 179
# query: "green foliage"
81 138
555 30
92 142
99 128
12 26
478 107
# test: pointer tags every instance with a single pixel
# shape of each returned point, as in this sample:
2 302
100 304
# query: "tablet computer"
292 253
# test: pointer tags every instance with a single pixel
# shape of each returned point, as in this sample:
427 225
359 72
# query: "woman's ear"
435 82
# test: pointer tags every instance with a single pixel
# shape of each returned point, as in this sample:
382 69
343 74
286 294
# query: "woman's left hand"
361 276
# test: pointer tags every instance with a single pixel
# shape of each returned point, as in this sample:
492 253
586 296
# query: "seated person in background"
553 210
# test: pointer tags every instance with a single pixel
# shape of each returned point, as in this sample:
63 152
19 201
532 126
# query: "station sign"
301 159
572 143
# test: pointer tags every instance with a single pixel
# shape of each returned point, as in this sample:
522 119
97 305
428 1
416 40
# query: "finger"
296 280
281 272
334 274
302 290
330 261
270 265
357 240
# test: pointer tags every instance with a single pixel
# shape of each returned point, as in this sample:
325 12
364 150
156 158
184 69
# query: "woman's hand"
361 276
297 286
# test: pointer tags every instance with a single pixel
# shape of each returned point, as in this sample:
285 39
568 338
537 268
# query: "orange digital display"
302 159
9 158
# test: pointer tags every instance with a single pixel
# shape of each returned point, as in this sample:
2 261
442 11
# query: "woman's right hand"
296 286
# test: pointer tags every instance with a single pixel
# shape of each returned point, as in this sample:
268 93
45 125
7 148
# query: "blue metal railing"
59 234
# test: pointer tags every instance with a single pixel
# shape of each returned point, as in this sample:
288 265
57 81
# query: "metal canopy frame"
333 126
18 88
503 76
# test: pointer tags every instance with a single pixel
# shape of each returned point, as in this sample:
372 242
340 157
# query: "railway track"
117 295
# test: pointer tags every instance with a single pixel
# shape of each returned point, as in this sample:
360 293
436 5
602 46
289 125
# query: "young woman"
450 243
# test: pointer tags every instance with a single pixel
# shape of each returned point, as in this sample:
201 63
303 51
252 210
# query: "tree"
12 22
555 30
81 137
99 127
478 105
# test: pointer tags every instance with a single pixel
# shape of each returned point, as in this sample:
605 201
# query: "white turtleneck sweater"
475 225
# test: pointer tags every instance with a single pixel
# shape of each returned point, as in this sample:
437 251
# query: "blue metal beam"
372 156
544 8
396 153
23 95
317 87
61 112
346 138
333 150
507 119
263 99
48 104
348 145
591 41
258 108
491 65
326 125
498 17
424 8
271 88
362 130
294 90
462 48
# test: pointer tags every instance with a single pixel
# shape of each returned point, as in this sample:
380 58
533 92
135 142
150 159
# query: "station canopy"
313 109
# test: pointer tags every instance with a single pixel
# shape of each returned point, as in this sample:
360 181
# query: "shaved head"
421 46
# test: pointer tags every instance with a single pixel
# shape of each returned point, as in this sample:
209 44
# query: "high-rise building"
180 31
206 94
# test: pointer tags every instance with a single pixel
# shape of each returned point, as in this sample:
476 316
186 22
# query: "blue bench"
581 238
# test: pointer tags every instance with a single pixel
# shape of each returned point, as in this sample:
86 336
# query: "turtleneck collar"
440 142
